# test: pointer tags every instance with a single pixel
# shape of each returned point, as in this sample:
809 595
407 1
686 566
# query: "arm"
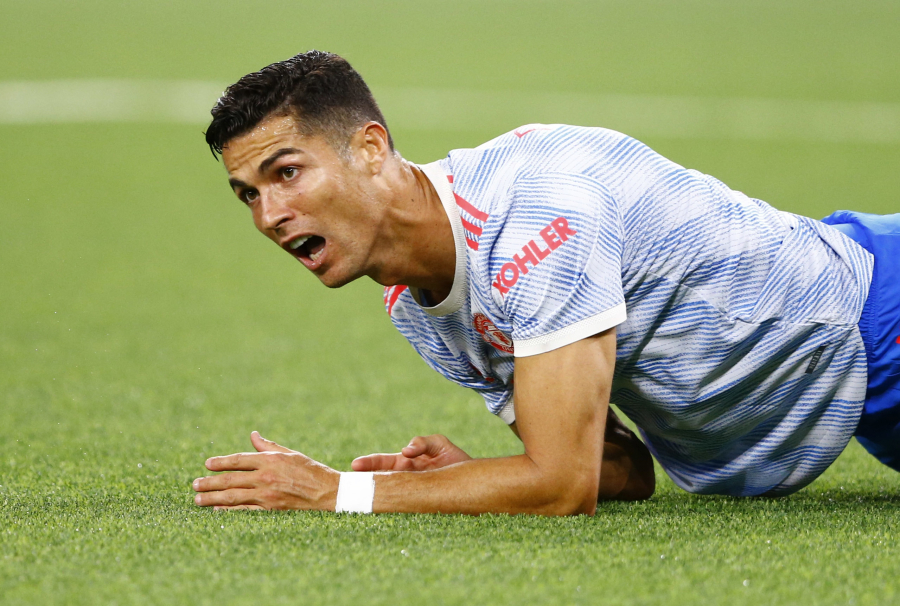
626 471
562 399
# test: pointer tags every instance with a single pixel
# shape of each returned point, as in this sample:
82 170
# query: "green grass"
144 325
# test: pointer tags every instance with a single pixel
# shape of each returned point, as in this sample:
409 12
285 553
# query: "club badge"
491 334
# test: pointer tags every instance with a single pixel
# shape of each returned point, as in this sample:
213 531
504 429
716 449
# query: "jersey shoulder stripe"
470 225
391 294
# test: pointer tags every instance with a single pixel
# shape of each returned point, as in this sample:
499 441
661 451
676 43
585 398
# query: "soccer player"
555 269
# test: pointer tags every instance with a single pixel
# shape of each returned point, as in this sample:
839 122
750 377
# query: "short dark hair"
321 90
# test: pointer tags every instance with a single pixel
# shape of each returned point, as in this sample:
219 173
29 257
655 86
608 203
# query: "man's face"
306 197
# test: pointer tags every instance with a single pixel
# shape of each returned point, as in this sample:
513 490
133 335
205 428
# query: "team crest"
491 334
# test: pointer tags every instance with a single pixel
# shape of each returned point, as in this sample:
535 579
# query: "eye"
249 196
289 172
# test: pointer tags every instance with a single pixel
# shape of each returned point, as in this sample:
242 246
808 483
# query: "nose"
273 212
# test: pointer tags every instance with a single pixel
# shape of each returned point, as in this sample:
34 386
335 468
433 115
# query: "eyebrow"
268 162
236 183
264 166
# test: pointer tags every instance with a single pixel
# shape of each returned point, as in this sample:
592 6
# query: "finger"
416 447
227 508
380 462
263 445
224 482
438 444
429 445
242 461
230 498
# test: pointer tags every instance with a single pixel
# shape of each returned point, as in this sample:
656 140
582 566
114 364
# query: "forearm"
503 485
626 468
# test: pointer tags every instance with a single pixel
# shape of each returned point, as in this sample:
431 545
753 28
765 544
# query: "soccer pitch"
145 325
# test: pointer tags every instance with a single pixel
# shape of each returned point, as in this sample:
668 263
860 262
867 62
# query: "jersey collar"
456 298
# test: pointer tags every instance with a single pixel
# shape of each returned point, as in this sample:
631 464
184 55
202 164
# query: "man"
553 269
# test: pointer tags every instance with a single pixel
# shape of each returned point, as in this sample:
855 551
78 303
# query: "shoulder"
541 163
391 296
558 144
409 318
421 330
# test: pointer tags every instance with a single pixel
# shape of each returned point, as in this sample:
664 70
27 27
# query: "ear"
372 146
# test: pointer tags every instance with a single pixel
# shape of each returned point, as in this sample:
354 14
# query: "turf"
144 325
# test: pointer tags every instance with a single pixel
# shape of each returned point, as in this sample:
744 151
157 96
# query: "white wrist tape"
356 492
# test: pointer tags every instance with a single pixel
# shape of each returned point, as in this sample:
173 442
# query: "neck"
416 245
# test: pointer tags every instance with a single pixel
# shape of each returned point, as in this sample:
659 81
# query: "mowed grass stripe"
457 110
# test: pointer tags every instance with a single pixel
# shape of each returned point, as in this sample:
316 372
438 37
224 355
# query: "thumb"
377 462
418 446
263 445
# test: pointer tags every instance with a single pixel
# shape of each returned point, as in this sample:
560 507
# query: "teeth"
315 256
298 242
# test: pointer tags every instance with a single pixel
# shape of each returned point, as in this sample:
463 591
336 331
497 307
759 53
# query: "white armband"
356 492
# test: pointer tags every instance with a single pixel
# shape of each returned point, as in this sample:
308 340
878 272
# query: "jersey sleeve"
556 266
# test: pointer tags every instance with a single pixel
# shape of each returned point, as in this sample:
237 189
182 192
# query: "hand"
430 452
274 477
626 473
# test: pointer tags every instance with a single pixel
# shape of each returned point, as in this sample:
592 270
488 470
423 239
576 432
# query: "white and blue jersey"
738 351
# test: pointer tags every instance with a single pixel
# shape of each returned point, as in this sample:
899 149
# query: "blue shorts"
879 426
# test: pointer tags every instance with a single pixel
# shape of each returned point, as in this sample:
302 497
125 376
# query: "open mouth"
307 249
